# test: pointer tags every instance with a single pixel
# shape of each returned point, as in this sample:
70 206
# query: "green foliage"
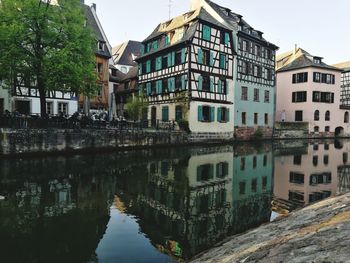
47 44
258 133
183 125
136 107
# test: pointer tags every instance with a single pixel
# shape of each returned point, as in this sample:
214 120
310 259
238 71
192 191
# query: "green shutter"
227 38
206 33
148 47
200 56
165 113
227 87
172 58
200 83
155 45
158 63
220 86
160 84
227 114
148 88
183 55
212 114
222 61
171 84
142 49
169 60
148 66
219 115
211 58
183 82
167 40
200 113
211 84
140 69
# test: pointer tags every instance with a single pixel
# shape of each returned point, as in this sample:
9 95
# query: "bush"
258 133
183 125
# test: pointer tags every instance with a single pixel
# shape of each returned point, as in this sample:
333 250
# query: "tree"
48 44
136 107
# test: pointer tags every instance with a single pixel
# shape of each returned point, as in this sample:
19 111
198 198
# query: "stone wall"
257 132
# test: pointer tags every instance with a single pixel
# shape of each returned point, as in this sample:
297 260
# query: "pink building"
308 90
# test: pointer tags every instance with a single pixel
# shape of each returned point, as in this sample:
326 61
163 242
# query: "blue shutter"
200 56
227 114
212 114
200 113
227 38
219 115
211 84
200 83
211 58
183 55
183 82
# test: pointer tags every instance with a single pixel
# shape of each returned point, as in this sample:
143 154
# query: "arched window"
317 115
346 117
327 116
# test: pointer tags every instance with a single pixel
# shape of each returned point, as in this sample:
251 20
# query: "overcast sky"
322 27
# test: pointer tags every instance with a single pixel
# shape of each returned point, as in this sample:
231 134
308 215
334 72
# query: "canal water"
163 205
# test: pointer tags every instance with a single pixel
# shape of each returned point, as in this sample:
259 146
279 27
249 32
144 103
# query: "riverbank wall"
317 233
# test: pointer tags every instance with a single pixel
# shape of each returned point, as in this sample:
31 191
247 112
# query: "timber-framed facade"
186 73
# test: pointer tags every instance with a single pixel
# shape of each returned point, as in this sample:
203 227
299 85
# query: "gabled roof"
132 74
238 23
126 53
91 20
189 19
298 59
345 66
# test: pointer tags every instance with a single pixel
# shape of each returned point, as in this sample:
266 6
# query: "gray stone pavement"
317 233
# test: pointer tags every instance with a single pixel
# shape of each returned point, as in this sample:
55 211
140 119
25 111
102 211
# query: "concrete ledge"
318 233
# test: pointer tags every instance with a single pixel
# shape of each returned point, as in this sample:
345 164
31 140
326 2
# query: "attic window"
101 46
317 60
228 11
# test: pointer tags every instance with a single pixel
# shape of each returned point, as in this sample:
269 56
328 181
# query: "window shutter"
227 86
148 88
200 83
200 56
227 114
200 113
211 84
206 32
165 113
169 84
169 60
219 115
211 175
227 38
183 82
222 61
140 69
212 114
167 40
155 45
183 55
220 86
211 59
172 58
172 88
142 49
333 79
148 66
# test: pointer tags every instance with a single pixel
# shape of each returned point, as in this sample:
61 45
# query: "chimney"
196 4
295 49
94 6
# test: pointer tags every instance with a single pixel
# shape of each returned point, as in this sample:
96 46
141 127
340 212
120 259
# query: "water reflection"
159 205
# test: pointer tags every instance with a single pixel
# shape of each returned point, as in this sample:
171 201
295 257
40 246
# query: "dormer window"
100 46
317 60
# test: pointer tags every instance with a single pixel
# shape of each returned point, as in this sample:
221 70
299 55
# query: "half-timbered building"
186 73
254 72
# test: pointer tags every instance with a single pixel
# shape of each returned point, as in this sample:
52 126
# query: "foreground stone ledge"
318 233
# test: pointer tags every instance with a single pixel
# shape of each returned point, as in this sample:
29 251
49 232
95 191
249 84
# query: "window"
155 45
327 116
178 57
317 115
221 87
256 95
325 160
245 45
205 172
320 178
299 96
244 118
346 117
254 185
224 38
326 129
244 67
222 170
49 108
178 113
316 129
328 78
315 160
326 147
299 115
300 77
266 119
244 93
205 83
206 114
242 188
257 50
297 159
315 147
206 34
165 61
325 97
99 67
264 182
148 66
204 56
254 162
267 96
345 158
223 114
317 77
63 108
265 160
242 166
165 113
296 178
256 118
268 74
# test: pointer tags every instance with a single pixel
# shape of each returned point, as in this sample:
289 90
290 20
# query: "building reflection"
319 171
188 203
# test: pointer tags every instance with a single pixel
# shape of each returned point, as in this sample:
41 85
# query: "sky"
321 27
